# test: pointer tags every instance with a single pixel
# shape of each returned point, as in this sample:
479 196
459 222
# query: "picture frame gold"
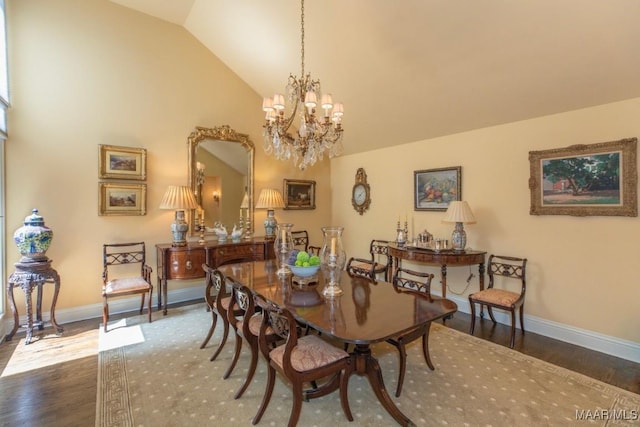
122 199
115 162
585 180
434 189
299 194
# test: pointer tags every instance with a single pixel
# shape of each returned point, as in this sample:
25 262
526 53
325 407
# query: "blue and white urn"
33 238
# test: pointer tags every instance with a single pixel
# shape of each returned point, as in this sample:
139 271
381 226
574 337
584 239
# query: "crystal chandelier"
316 134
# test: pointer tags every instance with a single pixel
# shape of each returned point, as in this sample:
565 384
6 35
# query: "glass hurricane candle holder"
283 246
332 260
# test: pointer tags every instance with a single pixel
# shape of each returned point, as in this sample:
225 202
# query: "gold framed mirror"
221 164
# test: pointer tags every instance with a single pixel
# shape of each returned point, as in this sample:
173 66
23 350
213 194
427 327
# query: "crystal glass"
283 246
332 260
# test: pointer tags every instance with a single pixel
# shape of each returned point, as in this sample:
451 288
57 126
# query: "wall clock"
361 193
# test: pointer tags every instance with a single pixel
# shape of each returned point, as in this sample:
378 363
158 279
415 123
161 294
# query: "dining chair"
301 359
501 298
218 298
418 284
301 242
379 261
125 272
246 322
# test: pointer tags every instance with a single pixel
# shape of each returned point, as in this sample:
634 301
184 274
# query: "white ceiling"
416 69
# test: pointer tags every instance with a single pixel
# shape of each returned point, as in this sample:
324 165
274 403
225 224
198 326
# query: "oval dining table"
366 313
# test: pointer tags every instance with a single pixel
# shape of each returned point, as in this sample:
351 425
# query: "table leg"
159 282
56 290
363 363
164 292
39 321
481 284
443 276
14 310
27 297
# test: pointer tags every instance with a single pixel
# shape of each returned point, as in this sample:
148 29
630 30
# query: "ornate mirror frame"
220 133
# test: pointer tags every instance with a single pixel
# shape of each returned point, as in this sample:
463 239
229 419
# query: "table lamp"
459 212
270 199
179 198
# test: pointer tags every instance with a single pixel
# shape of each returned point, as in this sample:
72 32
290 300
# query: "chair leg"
149 305
473 317
225 333
296 406
142 303
252 370
425 348
236 355
522 318
211 329
402 368
105 314
490 310
271 379
513 328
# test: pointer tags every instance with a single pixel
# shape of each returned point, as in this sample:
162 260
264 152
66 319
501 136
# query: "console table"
442 258
29 275
185 262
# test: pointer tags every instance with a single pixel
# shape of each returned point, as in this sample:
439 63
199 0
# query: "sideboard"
185 262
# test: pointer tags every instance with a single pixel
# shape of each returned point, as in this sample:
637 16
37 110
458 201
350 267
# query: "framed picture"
299 194
434 189
122 163
581 180
122 199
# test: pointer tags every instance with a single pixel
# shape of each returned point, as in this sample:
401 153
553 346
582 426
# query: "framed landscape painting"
299 194
434 189
122 199
122 163
583 180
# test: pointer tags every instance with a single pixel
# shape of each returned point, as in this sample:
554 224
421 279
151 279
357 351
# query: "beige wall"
89 72
581 271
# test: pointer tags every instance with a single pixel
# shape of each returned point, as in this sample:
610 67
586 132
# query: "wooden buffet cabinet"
185 262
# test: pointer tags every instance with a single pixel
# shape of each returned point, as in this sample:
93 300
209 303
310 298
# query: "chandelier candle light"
459 212
270 199
315 134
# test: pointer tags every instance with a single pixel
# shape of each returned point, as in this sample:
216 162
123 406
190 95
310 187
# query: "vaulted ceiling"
416 69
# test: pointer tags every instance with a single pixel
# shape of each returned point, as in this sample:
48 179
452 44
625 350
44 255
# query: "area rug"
167 380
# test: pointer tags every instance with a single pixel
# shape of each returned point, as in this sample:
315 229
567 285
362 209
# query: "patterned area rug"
167 380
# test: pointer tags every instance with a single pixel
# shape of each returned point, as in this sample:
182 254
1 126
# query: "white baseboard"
592 340
613 346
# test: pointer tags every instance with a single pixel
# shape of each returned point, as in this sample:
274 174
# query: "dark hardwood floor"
65 394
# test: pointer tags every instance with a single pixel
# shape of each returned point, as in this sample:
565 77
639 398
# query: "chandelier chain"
302 39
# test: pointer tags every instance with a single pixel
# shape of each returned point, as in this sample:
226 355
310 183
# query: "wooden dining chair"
246 322
218 297
419 285
379 261
511 268
301 359
125 272
301 242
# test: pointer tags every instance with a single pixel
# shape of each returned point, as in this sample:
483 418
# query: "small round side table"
27 276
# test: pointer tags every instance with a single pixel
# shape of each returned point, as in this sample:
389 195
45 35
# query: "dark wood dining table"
366 313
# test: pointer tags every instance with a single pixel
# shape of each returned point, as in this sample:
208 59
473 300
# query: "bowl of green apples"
302 264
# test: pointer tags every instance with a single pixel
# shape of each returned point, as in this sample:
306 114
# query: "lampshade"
459 211
270 199
178 197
